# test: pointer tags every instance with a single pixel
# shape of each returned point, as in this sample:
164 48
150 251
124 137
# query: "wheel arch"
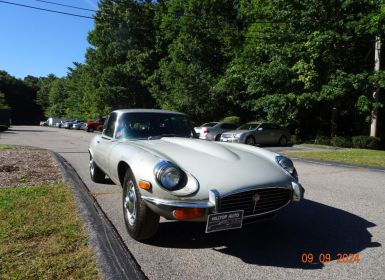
122 169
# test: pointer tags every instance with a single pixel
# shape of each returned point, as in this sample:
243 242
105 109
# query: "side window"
110 125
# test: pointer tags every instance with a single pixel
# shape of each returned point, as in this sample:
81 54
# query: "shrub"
339 141
366 142
231 119
322 140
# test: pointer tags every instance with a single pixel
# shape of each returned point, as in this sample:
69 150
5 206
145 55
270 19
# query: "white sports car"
165 171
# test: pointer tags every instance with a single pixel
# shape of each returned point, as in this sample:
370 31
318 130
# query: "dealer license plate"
224 221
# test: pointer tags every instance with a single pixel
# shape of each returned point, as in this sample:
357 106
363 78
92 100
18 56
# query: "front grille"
270 199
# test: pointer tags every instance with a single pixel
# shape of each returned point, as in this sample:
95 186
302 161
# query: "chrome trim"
268 212
298 191
287 187
178 203
215 198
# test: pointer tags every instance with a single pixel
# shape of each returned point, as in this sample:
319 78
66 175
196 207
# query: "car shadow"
307 227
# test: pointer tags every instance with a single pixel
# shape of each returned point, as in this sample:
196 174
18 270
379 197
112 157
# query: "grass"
4 147
350 156
41 235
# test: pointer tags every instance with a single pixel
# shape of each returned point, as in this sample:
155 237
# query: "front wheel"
283 140
141 222
250 140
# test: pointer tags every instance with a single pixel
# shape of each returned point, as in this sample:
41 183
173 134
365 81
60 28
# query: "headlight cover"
287 165
169 176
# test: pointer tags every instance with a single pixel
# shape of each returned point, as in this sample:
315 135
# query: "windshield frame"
188 133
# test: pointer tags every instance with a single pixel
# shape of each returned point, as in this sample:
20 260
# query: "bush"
339 141
231 119
322 140
366 142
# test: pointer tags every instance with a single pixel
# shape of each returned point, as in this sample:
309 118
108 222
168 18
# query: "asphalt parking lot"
343 213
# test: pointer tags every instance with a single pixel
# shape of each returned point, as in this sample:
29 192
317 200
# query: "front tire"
283 140
250 140
97 175
141 222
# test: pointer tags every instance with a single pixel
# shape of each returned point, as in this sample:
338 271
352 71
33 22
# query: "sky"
39 43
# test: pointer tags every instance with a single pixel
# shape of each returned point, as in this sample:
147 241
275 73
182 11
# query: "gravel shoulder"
28 166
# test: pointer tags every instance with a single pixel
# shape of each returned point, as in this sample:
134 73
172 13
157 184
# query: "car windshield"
248 126
210 124
152 126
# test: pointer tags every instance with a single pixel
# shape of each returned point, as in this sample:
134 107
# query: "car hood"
221 166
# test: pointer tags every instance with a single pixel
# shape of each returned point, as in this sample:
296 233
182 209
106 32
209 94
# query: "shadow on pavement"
307 227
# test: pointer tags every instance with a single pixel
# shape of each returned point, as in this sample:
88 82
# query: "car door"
105 143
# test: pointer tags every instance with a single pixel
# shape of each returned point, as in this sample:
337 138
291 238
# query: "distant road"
344 212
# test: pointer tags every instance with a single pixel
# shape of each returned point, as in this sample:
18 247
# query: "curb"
339 164
112 255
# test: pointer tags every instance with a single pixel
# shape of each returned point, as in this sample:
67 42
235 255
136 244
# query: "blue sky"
38 43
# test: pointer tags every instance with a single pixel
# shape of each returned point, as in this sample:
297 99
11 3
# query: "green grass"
41 235
4 147
351 156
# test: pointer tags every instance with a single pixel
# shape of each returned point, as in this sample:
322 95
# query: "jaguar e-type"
165 171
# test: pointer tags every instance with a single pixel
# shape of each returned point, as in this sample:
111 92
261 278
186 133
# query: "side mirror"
260 129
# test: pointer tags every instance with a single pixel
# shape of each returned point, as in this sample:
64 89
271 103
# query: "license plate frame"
224 221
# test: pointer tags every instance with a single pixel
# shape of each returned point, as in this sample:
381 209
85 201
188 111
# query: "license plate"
224 140
224 221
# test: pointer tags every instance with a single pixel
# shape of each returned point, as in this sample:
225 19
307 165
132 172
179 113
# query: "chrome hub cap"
129 203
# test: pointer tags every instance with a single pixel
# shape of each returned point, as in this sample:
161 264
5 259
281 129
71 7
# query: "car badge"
256 198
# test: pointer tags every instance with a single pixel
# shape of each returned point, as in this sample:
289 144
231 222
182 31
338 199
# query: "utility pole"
376 93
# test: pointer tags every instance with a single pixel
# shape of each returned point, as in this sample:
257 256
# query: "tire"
218 137
90 129
96 174
250 140
141 222
283 140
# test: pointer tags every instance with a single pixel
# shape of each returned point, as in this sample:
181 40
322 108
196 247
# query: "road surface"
343 213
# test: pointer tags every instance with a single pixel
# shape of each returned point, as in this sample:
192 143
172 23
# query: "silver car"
213 130
252 133
165 172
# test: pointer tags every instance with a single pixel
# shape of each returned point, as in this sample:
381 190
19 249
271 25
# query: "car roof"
121 111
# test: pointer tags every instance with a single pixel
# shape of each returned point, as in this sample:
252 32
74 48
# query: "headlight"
169 176
288 165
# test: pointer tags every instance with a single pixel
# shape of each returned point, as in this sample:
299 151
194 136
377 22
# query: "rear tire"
141 222
97 175
218 137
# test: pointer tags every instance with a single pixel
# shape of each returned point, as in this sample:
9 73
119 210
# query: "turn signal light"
188 213
144 185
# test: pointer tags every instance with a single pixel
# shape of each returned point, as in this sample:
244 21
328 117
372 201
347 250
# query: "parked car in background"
53 121
5 119
69 124
61 123
91 126
213 130
77 125
252 133
165 172
43 123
